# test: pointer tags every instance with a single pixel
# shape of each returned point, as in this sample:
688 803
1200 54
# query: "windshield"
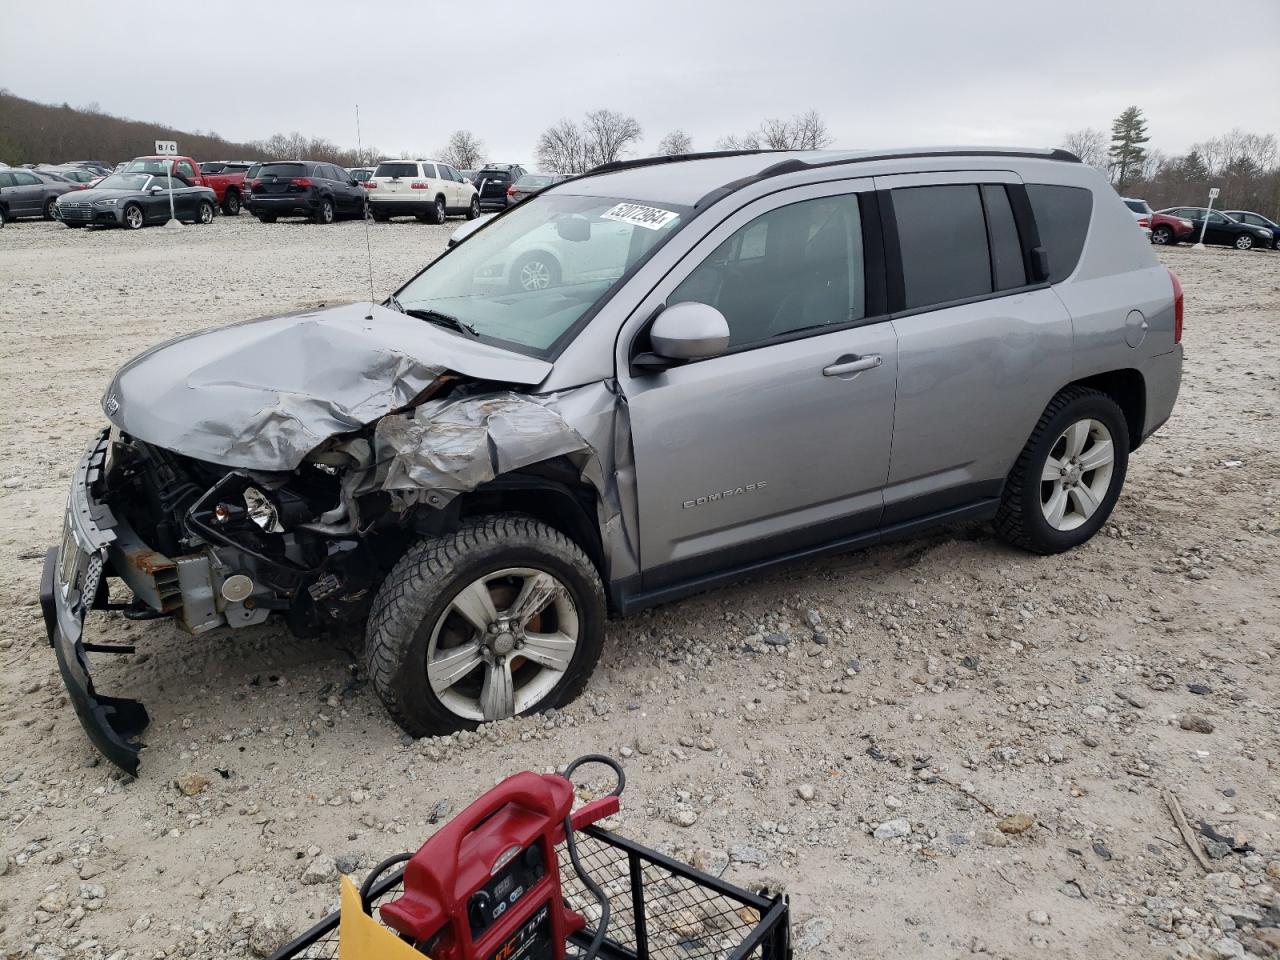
534 180
125 181
527 278
148 165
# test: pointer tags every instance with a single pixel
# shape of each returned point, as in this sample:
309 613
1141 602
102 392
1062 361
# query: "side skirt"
627 596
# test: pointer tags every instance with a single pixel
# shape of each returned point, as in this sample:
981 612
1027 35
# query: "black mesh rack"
659 909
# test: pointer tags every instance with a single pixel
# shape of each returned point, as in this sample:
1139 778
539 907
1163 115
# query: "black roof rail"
795 165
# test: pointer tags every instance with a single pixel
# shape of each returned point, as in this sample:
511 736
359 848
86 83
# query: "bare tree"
465 150
675 144
807 131
561 148
1089 144
608 135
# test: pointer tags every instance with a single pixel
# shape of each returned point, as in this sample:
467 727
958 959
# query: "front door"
782 442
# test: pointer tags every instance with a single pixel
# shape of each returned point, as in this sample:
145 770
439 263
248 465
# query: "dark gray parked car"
531 183
727 362
134 200
27 194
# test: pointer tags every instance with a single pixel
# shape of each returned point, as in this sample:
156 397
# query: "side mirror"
155 191
574 229
689 331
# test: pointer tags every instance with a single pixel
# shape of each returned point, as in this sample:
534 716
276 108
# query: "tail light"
256 184
303 182
1144 222
1177 307
369 185
419 185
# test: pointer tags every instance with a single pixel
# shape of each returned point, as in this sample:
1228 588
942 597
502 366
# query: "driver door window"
798 267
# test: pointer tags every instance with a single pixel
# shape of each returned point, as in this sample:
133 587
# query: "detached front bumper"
73 581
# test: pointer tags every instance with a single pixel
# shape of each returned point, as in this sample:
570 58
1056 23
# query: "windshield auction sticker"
651 218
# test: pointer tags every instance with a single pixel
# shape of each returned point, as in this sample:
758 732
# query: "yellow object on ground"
360 937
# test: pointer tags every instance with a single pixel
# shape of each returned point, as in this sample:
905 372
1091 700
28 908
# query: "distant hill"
33 132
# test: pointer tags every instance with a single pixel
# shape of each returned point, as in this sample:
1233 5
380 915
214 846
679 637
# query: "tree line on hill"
1245 166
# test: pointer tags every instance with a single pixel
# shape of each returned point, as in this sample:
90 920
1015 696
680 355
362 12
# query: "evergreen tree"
1194 169
1128 134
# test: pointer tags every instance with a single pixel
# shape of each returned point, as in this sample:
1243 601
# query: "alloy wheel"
535 275
1161 236
1244 242
502 644
134 217
206 213
1077 474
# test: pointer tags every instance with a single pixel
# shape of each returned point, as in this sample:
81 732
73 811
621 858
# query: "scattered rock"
806 792
191 784
268 935
1196 724
1017 823
320 870
893 828
1038 917
683 817
810 934
743 854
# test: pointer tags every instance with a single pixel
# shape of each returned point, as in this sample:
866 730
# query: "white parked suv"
427 189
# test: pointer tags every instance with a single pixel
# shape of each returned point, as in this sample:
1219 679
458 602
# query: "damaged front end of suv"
226 490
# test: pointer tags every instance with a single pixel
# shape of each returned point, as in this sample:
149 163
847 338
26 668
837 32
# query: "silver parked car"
724 364
32 194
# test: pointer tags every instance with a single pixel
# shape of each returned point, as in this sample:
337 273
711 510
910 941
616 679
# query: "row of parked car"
138 192
1242 229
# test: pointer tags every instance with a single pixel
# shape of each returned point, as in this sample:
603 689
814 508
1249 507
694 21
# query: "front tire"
503 617
1244 242
206 212
1068 477
133 218
1162 236
50 206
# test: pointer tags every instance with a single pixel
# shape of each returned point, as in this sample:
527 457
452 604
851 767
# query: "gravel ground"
939 748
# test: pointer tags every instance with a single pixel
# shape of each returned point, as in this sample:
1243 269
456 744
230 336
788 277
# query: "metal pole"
1205 225
172 215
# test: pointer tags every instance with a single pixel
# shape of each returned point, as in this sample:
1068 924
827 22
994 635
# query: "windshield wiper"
443 320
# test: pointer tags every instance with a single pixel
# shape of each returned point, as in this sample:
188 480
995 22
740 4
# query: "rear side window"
942 236
396 170
1062 220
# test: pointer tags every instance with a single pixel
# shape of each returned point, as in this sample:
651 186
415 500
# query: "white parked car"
427 189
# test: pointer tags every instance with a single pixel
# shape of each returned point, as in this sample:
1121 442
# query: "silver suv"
639 384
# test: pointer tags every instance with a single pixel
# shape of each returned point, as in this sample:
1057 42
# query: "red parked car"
1164 228
229 187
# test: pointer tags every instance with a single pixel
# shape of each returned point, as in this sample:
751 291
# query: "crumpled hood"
262 394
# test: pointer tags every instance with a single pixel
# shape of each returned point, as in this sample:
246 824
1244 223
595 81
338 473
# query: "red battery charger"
487 885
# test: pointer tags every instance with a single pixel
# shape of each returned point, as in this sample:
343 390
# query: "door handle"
852 365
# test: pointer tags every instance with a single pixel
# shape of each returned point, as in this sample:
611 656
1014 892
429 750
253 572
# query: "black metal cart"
660 909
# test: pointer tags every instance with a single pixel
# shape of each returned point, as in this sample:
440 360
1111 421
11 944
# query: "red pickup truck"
229 187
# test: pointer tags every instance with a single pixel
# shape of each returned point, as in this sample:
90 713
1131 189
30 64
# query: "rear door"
393 178
981 349
776 445
26 196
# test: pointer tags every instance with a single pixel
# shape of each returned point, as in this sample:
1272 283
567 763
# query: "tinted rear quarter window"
942 237
1007 267
1062 220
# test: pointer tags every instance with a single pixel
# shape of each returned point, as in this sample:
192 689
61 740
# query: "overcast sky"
883 73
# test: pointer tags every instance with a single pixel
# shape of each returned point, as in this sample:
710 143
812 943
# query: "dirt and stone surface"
940 748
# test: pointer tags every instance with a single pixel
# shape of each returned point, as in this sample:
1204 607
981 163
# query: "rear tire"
534 271
379 216
231 203
3 218
1034 483
438 212
325 212
407 623
267 217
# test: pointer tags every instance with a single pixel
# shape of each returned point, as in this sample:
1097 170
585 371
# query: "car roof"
687 179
